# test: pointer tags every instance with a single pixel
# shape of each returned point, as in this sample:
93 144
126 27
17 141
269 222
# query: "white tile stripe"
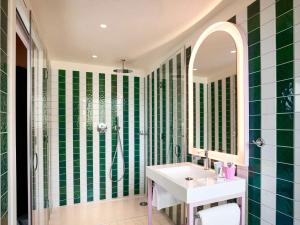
168 138
39 130
120 115
216 115
142 137
69 137
96 177
160 110
209 144
268 167
82 107
54 140
224 139
174 107
205 117
155 118
108 149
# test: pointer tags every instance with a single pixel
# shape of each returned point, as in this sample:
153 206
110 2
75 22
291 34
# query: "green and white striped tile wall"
200 114
3 116
222 114
274 62
81 157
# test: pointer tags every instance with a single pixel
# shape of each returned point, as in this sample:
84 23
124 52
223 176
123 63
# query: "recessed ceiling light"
195 69
103 26
233 51
94 56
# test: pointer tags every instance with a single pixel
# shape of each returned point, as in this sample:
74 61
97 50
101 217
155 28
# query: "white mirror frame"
240 40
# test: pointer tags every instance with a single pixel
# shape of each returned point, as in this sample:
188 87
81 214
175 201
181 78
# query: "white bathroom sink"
190 183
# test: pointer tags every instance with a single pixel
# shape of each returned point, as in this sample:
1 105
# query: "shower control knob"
259 142
102 127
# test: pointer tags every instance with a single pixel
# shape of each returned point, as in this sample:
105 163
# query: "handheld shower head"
117 126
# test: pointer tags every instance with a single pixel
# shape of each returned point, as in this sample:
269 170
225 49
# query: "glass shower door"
39 130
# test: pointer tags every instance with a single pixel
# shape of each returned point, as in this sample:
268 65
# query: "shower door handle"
35 161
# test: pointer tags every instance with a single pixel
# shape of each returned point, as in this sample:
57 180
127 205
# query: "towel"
162 198
228 214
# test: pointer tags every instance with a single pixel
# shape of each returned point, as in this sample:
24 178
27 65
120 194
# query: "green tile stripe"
171 147
228 115
62 136
76 136
45 139
285 111
3 116
158 134
212 97
179 105
201 98
253 23
148 120
220 111
164 115
102 138
136 135
89 136
188 53
126 134
114 170
153 119
194 115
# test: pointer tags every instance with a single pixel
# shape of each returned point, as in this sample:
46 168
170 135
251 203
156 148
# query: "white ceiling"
71 28
214 57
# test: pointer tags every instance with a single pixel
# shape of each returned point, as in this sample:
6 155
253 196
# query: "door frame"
24 35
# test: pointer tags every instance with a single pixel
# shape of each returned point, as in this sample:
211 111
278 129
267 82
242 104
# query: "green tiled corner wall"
3 116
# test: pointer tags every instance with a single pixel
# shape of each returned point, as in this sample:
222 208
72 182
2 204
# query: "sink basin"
190 183
180 172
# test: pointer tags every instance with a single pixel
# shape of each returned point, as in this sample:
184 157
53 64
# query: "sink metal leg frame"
190 214
190 207
149 201
242 203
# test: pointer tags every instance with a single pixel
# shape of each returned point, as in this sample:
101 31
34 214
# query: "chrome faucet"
206 160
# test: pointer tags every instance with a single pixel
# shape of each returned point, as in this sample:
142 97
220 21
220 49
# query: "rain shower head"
122 70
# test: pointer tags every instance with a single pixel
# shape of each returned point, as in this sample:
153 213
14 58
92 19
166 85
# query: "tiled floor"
124 211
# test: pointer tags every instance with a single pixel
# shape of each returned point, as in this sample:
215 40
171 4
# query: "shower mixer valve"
102 128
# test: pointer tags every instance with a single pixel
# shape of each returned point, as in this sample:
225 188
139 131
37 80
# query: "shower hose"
117 128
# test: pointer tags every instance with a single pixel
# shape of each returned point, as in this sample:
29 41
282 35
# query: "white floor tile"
124 211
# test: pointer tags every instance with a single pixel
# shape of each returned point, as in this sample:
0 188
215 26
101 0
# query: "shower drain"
143 203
